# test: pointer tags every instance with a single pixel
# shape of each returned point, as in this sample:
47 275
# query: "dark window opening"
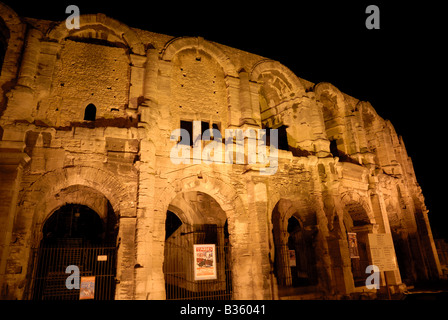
73 222
188 126
334 148
216 126
90 113
282 137
204 126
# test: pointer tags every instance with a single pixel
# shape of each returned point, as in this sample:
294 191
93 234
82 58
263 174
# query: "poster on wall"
87 288
353 245
204 261
292 258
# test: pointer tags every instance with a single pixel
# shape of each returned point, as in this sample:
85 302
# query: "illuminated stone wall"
345 170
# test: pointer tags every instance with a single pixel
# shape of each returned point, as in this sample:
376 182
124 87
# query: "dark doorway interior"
75 235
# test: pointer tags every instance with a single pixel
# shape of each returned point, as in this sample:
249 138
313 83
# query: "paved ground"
428 291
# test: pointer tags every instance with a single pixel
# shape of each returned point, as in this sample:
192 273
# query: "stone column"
126 259
137 80
234 113
12 162
428 245
21 98
331 211
247 116
257 201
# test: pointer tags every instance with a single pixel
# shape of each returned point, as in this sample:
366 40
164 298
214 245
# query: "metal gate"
179 264
93 261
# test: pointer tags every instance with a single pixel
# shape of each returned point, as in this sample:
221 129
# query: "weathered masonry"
86 117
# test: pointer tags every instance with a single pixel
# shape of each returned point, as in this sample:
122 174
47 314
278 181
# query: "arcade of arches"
86 179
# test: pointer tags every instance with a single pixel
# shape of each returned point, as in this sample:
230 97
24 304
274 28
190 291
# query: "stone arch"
333 107
357 206
359 222
200 220
178 44
112 28
76 194
267 65
279 105
52 184
202 210
293 230
245 268
39 199
294 196
300 208
223 193
327 88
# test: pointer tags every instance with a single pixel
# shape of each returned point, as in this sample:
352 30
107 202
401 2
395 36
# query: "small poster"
87 288
292 258
204 261
101 257
353 245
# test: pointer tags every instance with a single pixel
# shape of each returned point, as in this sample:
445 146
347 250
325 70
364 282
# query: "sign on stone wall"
87 288
352 245
204 261
382 251
292 258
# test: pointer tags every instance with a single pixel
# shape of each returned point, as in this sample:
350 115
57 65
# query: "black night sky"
399 68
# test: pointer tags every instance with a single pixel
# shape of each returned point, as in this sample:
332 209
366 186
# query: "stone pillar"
242 259
338 274
47 61
12 161
254 88
234 112
247 116
337 245
429 249
257 198
150 233
126 259
150 75
21 98
137 80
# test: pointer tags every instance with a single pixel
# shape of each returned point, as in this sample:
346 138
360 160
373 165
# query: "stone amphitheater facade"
86 121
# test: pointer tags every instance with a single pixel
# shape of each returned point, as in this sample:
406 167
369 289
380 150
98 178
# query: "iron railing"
179 264
49 279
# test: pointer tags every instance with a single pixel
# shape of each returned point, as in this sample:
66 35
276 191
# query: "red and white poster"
204 261
87 288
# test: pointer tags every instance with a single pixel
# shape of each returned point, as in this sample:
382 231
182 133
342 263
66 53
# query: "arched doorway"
195 222
358 226
294 261
75 235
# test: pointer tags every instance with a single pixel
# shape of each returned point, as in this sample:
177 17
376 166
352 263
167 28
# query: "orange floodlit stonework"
89 119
